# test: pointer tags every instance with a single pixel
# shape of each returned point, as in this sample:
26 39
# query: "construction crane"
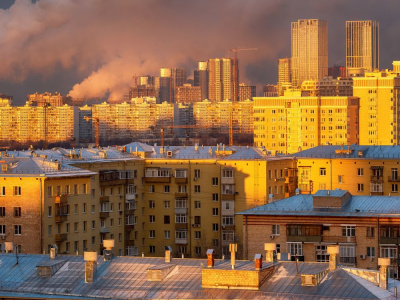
95 120
235 87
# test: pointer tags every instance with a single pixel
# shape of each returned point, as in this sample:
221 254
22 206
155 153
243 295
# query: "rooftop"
355 206
126 278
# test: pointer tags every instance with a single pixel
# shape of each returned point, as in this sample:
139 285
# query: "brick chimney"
258 262
270 248
210 258
90 265
168 253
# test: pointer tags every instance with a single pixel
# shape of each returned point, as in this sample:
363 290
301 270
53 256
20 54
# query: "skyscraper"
201 79
221 79
309 50
284 74
362 45
170 78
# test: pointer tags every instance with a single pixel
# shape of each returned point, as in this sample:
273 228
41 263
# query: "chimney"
270 248
90 265
108 251
333 252
168 251
258 262
53 251
383 272
210 258
233 250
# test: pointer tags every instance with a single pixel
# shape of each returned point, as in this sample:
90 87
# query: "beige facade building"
187 93
309 50
289 124
221 80
362 45
328 87
247 92
284 74
379 94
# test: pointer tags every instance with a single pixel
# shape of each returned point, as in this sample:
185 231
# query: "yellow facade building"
290 124
379 94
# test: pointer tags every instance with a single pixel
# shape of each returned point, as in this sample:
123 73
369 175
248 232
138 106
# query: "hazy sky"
92 48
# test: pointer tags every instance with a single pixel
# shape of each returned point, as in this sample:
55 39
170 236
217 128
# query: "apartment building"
379 94
328 87
364 227
292 123
362 170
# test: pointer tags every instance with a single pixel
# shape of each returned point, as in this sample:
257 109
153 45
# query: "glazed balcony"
61 199
339 239
61 237
305 238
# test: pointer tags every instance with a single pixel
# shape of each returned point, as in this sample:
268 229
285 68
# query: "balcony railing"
389 240
104 230
181 195
129 227
104 199
180 241
104 214
339 239
348 260
376 178
393 179
305 238
61 199
60 218
61 237
181 180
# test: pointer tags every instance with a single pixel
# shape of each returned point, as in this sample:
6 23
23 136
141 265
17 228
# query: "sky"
93 48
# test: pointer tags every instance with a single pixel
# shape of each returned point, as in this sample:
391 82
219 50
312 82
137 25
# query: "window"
75 208
340 178
348 230
152 219
76 191
322 171
49 230
197 234
370 231
181 234
215 181
67 190
227 173
84 188
76 227
167 234
84 208
17 212
295 249
2 211
130 220
152 204
276 229
111 223
151 189
197 220
93 209
49 191
215 197
215 226
321 253
166 204
93 193
17 229
197 173
394 173
180 173
182 189
197 250
49 211
166 188
67 228
152 234
215 211
197 189
395 188
167 220
58 190
228 236
228 189
93 224
360 187
197 204
17 190
370 251
152 249
228 220
347 254
2 229
360 172
215 242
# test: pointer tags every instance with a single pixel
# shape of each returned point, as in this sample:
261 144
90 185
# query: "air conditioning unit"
362 256
3 236
272 236
169 153
223 226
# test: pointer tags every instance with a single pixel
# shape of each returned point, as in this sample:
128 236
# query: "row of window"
66 190
17 229
182 173
16 211
16 191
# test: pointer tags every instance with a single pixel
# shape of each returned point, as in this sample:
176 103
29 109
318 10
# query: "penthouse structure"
289 124
328 87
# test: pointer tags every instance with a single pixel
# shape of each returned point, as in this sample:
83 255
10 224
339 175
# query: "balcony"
60 218
61 237
228 227
388 240
304 238
113 177
129 212
62 199
228 196
129 227
130 197
157 179
181 180
181 210
339 239
181 226
130 243
375 178
393 179
180 241
104 230
181 195
104 214
348 260
104 199
289 179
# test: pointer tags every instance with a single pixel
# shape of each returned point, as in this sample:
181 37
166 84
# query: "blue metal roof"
328 151
356 206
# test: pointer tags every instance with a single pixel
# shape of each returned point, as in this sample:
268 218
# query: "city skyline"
70 61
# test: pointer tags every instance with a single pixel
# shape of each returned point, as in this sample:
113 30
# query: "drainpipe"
245 254
330 161
41 215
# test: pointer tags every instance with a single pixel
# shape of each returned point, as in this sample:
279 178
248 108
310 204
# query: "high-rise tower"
222 81
201 79
362 45
309 50
284 74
